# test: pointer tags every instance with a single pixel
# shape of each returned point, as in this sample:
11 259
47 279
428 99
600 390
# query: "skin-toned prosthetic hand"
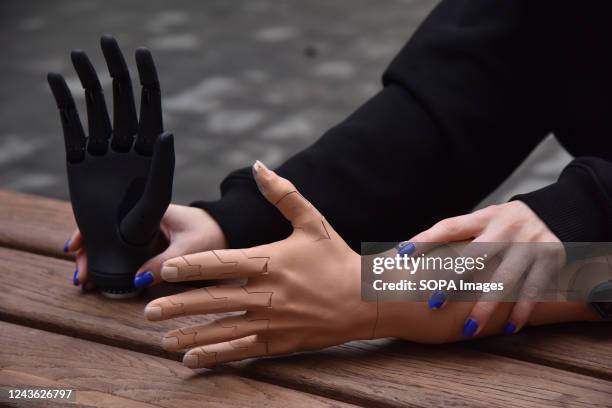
120 177
504 229
302 293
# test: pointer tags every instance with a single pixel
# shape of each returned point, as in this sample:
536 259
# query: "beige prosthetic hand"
302 293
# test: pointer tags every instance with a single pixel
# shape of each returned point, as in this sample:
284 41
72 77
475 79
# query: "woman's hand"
301 293
504 225
185 230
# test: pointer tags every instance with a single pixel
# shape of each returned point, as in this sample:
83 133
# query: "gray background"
241 80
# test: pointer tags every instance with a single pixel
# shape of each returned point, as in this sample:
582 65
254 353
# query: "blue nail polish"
66 245
75 278
143 280
405 248
437 299
509 329
470 328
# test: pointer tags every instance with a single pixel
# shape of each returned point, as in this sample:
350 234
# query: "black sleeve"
461 107
578 207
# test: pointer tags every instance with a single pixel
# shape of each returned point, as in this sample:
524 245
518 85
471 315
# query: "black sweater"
476 88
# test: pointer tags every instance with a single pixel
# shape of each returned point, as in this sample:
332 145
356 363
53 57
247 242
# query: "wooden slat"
394 373
35 224
105 376
36 291
581 347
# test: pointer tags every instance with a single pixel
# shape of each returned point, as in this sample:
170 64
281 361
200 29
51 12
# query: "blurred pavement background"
241 80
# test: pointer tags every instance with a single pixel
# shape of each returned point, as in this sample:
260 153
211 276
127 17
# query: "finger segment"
217 264
533 288
217 331
74 135
99 122
125 121
234 350
509 272
141 224
151 123
81 263
215 299
452 229
284 196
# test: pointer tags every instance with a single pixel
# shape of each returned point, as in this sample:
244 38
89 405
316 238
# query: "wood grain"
36 291
390 373
105 376
580 347
35 224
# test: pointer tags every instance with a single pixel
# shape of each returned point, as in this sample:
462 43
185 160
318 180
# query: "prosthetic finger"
142 222
217 331
214 299
218 264
294 207
125 121
234 350
283 194
99 122
74 136
151 123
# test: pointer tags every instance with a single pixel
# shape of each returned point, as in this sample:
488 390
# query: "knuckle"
488 212
448 226
484 308
530 293
512 225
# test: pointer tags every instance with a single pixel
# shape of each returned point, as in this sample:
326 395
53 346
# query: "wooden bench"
51 334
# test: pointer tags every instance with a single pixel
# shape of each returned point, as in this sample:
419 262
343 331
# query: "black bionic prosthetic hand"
120 177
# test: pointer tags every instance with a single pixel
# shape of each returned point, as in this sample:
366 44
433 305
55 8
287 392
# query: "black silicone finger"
142 222
74 136
125 121
99 123
151 123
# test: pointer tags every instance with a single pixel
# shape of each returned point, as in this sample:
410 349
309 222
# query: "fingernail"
75 278
66 245
470 328
191 360
143 280
437 299
153 312
259 166
169 272
170 343
405 248
509 329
